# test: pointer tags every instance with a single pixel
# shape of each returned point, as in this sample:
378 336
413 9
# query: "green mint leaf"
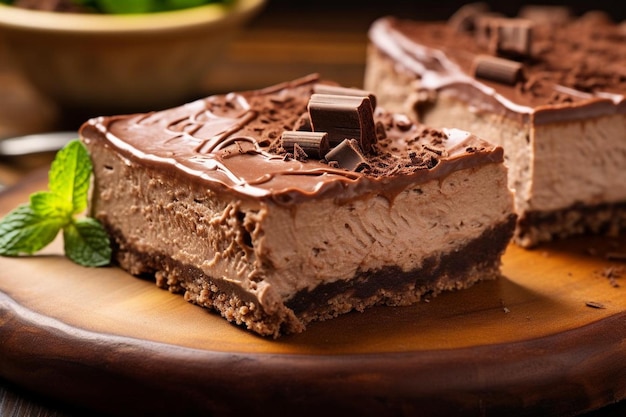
69 175
87 242
23 231
47 204
30 227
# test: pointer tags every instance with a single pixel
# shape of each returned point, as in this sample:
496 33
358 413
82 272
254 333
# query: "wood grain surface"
549 338
100 340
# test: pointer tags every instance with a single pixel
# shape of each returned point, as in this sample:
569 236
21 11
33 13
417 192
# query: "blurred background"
286 40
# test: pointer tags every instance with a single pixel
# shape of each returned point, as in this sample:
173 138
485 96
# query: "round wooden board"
547 338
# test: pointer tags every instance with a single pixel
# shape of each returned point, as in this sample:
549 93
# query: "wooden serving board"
548 338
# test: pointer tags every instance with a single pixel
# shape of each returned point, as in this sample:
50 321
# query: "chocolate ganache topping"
300 139
534 65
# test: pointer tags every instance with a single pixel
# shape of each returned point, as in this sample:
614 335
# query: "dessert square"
297 203
545 85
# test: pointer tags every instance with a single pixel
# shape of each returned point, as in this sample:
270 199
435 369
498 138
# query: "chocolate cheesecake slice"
548 87
297 203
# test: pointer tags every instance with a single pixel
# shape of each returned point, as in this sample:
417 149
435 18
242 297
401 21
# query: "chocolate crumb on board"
594 304
612 273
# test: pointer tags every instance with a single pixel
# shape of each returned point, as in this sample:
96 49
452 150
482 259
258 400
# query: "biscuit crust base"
478 260
535 227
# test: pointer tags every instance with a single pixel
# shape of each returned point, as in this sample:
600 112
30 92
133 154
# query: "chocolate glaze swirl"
228 142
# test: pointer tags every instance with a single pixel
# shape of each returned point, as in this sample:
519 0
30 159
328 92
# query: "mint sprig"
33 226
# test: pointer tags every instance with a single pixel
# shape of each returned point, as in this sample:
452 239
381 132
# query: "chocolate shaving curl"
298 153
343 117
347 155
313 144
497 69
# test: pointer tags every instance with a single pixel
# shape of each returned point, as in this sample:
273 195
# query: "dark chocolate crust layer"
602 219
476 261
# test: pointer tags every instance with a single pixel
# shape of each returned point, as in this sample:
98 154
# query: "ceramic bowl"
121 63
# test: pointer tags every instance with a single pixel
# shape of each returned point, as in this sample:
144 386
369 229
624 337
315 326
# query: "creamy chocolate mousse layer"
298 203
549 90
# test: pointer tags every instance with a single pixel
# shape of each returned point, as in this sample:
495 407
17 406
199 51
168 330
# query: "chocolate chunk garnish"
464 19
344 91
303 123
313 144
485 24
497 69
347 155
343 117
513 37
503 36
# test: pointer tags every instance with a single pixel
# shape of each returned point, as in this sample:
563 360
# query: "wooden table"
286 41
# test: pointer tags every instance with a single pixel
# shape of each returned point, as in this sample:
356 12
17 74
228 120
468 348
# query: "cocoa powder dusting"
566 61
